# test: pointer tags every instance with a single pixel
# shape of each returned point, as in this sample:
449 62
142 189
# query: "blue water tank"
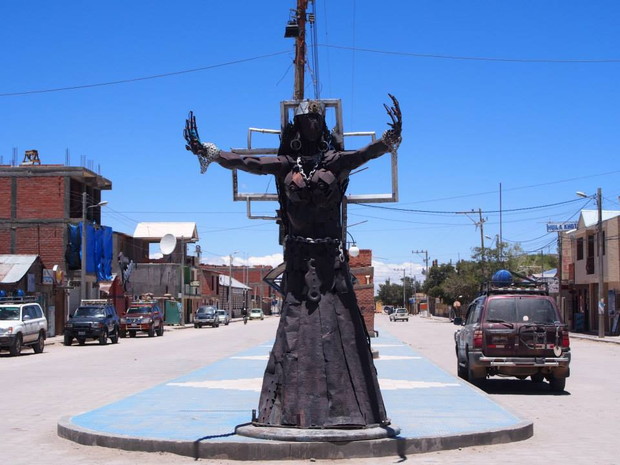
502 277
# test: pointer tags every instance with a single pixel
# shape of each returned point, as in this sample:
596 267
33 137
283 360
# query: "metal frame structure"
286 109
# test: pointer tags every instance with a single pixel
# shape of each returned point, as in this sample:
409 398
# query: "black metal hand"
190 133
395 115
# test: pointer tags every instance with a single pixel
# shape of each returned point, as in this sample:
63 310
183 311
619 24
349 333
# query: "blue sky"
519 93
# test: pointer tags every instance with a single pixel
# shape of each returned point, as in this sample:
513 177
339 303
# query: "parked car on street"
256 314
93 319
22 323
206 316
514 329
400 314
223 316
143 316
388 309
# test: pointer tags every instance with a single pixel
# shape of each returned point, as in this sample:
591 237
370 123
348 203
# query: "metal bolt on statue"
320 372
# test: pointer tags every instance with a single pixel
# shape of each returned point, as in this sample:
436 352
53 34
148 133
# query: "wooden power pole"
300 50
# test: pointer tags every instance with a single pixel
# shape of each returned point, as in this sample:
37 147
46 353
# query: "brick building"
579 272
38 203
258 294
362 269
262 295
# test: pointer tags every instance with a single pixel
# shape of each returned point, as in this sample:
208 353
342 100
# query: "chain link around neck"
303 173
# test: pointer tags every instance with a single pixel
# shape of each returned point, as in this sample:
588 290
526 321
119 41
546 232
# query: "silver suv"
22 323
206 315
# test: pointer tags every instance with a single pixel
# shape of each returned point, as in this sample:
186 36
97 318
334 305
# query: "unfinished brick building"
37 202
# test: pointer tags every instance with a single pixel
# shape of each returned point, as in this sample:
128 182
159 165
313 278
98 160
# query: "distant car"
144 316
93 319
400 314
206 316
514 330
22 323
388 309
256 314
223 317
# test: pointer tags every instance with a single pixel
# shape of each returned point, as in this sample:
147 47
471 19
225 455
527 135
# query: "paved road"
577 427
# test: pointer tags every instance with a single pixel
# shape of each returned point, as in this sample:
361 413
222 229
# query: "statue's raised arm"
206 152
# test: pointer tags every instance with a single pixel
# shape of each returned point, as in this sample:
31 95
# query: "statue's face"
310 126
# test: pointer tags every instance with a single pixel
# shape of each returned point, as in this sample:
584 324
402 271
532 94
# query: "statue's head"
310 120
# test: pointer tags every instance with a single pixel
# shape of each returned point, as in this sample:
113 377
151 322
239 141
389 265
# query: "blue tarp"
99 250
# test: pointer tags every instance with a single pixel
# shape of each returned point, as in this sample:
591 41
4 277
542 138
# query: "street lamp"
354 250
599 241
230 282
83 257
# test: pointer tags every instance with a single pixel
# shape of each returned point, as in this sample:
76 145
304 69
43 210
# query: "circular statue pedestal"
278 433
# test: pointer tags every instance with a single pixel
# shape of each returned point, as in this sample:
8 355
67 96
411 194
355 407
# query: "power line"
438 212
144 78
472 58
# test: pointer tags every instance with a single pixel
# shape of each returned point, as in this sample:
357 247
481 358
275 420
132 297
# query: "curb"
211 448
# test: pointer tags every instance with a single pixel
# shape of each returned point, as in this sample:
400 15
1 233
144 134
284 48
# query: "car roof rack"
19 300
94 302
504 282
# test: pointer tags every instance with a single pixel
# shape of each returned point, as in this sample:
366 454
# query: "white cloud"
239 260
394 272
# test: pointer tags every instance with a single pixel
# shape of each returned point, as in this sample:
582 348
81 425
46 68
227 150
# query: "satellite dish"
167 244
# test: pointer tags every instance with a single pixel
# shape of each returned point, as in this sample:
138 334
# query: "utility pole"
230 303
83 257
404 290
404 298
300 50
480 223
425 252
601 276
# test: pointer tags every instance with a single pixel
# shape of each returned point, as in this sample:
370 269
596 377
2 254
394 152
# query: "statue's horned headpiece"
310 106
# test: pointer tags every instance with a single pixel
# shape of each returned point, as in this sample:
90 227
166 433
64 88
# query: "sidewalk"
196 414
594 337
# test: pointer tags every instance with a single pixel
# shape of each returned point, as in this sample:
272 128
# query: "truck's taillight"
478 339
565 339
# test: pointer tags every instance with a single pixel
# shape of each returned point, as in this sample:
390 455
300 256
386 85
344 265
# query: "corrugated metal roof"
155 231
14 267
225 279
589 218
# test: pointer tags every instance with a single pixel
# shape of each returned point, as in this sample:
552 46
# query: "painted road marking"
254 384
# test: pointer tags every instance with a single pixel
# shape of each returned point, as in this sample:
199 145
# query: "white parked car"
256 314
22 323
400 314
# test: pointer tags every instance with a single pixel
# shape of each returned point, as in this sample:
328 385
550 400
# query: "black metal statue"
320 372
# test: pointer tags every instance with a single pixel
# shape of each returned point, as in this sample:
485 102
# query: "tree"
390 293
437 274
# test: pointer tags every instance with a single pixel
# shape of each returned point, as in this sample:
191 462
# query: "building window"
580 248
604 242
591 245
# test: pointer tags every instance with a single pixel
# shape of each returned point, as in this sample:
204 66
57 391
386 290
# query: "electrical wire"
472 58
411 210
144 78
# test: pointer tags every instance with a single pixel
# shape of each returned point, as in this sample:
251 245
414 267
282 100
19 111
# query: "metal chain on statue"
303 173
